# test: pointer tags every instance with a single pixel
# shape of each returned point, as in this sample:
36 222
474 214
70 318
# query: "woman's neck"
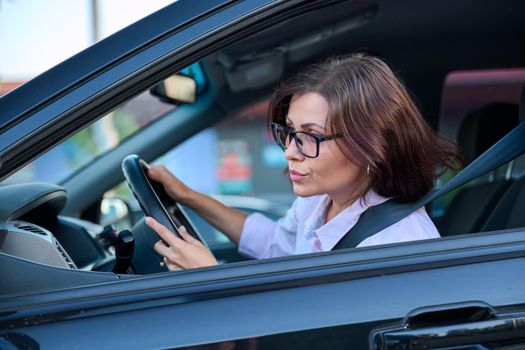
335 207
339 203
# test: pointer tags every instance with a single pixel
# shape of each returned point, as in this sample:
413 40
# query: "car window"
106 134
77 151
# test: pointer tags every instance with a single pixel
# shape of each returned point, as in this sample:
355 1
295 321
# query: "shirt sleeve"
262 237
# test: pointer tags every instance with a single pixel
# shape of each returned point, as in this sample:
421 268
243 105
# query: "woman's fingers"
169 254
173 186
161 230
187 237
160 174
172 265
180 253
162 249
170 247
167 236
154 173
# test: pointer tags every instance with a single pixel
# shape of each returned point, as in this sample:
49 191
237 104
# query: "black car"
70 137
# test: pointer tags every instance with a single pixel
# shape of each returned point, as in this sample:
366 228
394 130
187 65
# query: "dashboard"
32 229
41 250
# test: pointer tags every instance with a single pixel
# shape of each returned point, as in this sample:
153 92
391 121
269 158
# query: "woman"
353 138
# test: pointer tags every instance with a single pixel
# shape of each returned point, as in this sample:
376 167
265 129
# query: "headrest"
484 127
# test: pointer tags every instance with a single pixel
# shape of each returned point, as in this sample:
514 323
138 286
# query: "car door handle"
436 329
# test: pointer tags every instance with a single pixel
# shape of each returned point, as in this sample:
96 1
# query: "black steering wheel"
154 202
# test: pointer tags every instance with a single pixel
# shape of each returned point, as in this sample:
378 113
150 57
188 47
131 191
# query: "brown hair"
381 126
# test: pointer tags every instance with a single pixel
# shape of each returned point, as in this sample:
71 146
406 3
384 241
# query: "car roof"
425 40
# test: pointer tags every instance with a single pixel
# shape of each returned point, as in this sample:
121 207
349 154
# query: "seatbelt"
381 216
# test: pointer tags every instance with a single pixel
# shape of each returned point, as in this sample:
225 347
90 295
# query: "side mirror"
115 211
176 89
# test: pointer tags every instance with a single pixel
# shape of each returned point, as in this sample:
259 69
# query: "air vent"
31 242
66 257
28 227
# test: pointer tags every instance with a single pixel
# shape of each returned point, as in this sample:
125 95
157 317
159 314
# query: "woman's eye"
316 134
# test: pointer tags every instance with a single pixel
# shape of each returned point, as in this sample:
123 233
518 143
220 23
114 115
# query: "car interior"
53 234
469 209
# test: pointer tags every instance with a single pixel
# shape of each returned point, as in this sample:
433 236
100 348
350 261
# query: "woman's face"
331 172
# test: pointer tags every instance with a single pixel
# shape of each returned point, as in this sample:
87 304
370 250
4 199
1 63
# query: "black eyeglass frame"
291 133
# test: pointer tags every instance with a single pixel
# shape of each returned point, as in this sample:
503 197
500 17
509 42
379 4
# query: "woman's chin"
302 191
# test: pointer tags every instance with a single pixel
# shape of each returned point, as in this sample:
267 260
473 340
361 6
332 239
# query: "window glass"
62 161
107 133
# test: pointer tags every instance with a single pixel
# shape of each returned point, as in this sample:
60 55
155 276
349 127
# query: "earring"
368 170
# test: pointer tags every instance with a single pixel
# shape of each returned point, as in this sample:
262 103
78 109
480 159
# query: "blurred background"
36 35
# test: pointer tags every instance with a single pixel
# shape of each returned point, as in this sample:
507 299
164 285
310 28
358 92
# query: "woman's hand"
227 220
185 253
175 188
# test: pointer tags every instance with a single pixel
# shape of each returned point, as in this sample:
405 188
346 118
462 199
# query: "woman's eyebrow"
306 125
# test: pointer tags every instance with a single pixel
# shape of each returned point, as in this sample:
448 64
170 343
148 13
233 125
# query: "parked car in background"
65 134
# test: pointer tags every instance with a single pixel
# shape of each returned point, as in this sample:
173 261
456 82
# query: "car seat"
470 208
508 213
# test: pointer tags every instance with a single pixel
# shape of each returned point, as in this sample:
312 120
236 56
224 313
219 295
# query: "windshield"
107 133
62 161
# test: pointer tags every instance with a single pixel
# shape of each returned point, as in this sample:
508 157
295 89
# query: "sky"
35 35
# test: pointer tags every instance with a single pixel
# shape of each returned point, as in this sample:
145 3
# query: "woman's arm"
225 219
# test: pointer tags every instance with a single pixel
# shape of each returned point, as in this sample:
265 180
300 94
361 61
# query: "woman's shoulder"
420 224
416 226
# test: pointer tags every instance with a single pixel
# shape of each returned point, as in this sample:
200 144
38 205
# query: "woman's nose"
292 152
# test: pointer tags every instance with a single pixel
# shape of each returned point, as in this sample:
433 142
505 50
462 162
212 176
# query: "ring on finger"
164 262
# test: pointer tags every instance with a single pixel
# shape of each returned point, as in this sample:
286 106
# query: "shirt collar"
315 221
332 232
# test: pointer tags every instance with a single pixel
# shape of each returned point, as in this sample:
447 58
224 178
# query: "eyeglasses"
306 143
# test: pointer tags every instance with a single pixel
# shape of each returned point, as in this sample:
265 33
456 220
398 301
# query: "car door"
446 291
441 290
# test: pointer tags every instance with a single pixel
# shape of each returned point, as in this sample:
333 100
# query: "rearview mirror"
176 89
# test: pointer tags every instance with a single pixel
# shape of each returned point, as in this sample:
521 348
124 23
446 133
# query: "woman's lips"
296 176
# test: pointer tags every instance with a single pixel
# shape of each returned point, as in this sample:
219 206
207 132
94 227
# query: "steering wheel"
154 202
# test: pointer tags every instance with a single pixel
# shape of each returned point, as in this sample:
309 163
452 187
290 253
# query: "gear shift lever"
124 247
